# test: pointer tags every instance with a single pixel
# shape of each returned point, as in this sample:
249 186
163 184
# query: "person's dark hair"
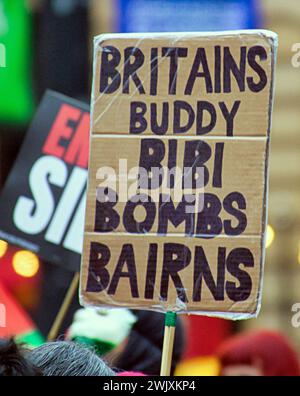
67 358
144 348
13 360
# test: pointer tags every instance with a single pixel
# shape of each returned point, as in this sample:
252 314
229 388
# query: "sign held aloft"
178 172
42 203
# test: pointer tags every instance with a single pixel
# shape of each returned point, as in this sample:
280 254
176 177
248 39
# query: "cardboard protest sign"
42 204
178 174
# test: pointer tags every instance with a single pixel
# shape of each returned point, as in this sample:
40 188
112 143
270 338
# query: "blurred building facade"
282 266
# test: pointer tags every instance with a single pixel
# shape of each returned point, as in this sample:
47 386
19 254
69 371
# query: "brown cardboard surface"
243 167
142 255
111 112
140 248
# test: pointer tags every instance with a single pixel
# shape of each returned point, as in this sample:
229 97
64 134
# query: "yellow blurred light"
270 236
3 248
26 263
205 366
299 253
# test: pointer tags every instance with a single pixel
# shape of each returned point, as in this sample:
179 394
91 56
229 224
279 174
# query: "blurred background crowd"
49 46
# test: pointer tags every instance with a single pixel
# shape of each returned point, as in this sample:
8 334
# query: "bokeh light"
26 263
3 248
270 236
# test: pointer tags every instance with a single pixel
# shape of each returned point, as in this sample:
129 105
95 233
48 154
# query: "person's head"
62 358
13 360
143 348
258 353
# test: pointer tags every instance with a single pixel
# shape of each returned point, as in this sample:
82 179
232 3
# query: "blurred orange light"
26 263
3 248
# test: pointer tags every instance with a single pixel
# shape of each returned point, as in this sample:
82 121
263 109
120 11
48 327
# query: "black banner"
43 202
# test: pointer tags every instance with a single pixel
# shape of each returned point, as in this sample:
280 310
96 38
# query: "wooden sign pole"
167 352
64 308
